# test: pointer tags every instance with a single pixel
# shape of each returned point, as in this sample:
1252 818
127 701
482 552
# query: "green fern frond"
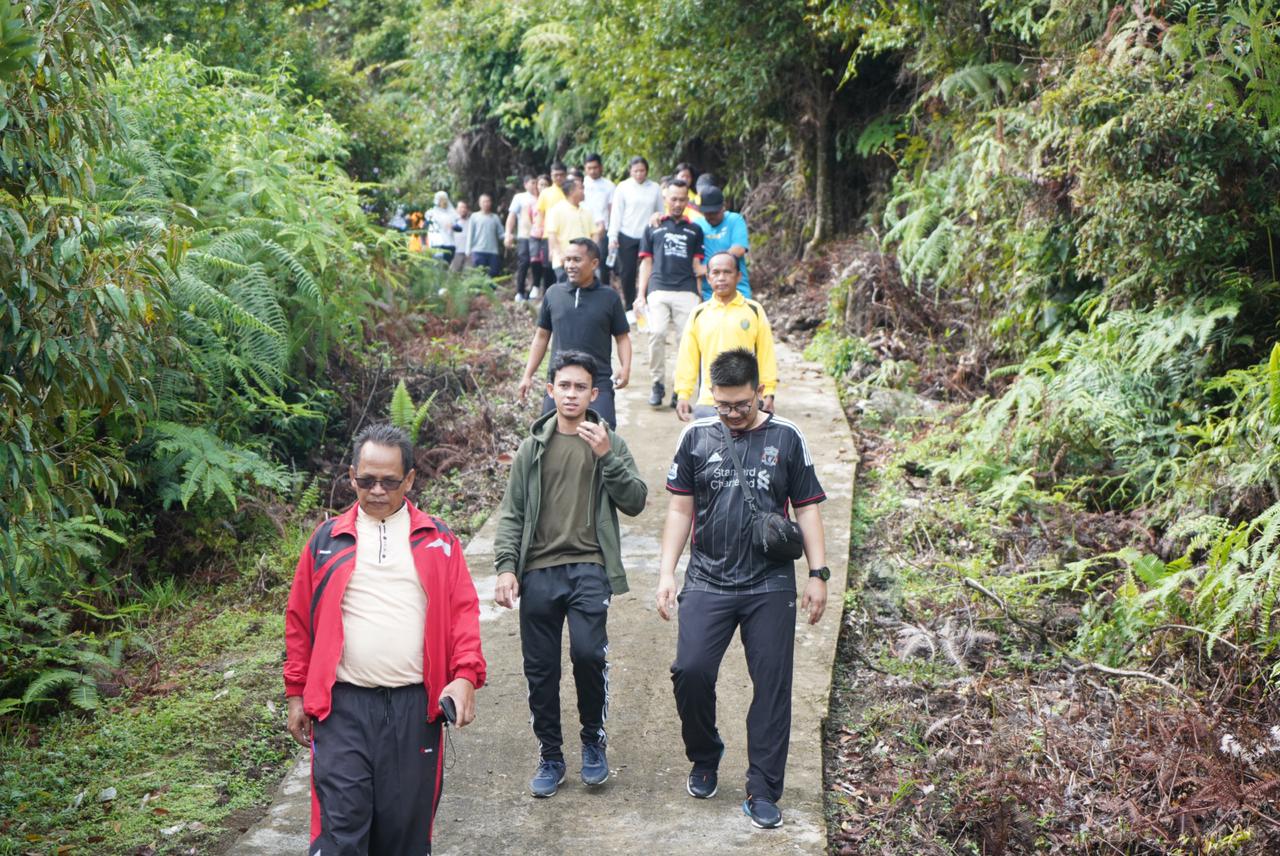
401 413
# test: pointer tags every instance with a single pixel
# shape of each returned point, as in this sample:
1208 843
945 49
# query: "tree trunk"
823 174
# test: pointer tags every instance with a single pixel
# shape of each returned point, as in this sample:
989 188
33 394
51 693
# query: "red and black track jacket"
313 619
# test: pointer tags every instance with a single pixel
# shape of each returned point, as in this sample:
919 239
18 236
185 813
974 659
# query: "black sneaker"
764 813
673 400
657 394
702 784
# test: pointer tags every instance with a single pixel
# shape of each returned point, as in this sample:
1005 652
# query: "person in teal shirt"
723 232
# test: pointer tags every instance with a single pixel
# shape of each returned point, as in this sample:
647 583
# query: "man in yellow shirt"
567 220
554 194
726 321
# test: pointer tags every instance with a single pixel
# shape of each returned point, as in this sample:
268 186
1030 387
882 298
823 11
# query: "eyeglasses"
742 407
367 482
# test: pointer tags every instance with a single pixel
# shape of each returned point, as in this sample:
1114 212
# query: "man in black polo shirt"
583 316
667 288
729 583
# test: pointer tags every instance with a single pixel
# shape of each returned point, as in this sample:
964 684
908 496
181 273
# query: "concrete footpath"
487 809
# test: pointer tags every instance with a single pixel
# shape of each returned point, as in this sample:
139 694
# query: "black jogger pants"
768 622
627 267
579 592
376 772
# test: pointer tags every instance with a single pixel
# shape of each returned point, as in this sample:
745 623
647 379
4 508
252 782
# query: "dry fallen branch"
970 582
1128 673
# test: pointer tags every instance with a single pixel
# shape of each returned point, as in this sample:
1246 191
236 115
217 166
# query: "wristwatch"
823 573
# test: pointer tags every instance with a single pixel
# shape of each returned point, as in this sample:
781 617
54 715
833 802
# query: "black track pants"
522 267
376 772
768 623
627 266
580 593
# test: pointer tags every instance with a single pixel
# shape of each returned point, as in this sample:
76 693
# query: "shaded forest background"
1058 217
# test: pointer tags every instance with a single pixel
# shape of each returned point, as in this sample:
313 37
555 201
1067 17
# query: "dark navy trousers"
376 773
768 626
579 593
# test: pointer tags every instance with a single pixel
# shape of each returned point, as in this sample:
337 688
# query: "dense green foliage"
1082 199
182 256
1098 191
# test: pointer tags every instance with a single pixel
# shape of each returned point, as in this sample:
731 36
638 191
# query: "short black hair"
737 367
383 434
593 251
570 185
681 167
528 177
637 159
581 359
678 182
545 177
558 166
592 158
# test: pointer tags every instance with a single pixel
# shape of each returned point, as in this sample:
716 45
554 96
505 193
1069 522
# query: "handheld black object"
449 709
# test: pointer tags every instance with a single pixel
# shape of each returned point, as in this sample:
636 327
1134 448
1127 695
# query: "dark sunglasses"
367 482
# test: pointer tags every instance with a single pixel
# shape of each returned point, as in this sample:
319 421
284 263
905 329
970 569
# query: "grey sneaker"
656 394
595 766
548 779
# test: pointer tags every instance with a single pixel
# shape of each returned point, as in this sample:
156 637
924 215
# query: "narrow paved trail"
487 809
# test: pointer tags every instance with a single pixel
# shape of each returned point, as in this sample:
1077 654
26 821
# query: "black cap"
712 201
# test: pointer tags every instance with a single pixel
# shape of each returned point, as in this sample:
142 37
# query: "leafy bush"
1108 212
181 254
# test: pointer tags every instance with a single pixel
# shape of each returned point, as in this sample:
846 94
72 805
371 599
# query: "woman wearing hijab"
442 222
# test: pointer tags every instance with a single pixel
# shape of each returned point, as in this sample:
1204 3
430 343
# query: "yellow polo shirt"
549 198
567 222
716 327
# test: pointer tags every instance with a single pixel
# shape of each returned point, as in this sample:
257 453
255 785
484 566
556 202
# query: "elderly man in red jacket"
382 637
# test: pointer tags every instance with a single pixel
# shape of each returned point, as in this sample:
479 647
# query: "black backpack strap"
737 465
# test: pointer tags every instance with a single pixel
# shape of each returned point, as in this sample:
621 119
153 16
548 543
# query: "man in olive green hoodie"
559 551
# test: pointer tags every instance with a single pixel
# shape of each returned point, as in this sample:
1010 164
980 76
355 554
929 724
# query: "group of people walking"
382 627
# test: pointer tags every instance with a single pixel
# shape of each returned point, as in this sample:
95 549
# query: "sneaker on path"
702 784
656 395
534 293
548 779
764 813
595 766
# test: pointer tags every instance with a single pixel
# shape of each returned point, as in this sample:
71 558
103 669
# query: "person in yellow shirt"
554 194
567 220
726 321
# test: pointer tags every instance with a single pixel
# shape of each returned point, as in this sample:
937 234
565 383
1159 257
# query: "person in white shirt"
599 199
463 239
442 221
519 221
635 201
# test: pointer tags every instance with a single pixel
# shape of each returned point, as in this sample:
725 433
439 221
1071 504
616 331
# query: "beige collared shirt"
384 609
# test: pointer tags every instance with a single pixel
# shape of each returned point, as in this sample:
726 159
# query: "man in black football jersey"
730 583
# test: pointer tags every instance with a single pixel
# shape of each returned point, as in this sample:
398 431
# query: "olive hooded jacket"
617 485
